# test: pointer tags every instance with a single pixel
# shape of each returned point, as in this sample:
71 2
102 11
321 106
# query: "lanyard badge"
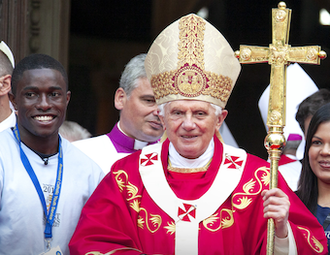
50 215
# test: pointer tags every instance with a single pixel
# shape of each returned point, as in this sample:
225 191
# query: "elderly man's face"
190 126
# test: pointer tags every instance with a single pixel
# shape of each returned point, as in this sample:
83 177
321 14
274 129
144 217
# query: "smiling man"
193 194
44 180
138 125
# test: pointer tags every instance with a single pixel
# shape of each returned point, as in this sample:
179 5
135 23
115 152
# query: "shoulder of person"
72 153
90 141
129 163
6 137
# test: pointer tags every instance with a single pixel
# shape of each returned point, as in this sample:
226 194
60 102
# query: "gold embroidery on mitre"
155 219
225 220
163 84
242 200
190 79
312 241
214 85
218 86
191 46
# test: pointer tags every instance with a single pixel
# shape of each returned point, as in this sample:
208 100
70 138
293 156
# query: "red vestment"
121 215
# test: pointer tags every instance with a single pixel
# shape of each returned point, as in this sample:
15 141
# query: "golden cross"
279 55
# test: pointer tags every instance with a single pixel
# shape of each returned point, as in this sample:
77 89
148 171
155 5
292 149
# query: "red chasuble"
141 208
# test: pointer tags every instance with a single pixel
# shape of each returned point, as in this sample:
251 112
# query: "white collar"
138 145
8 122
181 162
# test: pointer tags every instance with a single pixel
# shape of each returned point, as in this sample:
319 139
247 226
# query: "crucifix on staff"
279 55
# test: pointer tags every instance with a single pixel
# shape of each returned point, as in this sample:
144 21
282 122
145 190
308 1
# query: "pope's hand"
276 206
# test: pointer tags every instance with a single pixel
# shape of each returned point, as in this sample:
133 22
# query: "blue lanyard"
50 216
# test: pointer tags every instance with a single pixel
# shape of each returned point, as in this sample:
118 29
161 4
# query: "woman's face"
319 153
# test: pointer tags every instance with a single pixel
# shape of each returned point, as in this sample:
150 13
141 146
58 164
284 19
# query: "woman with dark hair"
314 183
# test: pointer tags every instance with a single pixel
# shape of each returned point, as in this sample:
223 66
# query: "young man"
138 125
44 180
192 194
7 115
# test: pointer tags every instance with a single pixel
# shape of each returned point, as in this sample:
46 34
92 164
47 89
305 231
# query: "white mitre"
191 60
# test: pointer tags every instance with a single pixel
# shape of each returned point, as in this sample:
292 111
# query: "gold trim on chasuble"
223 219
190 79
312 241
240 200
187 170
112 252
152 221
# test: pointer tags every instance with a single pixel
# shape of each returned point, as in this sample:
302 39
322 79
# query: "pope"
193 194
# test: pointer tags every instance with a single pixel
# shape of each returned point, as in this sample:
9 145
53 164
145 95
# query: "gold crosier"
279 55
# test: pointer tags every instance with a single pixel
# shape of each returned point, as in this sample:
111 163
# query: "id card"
53 251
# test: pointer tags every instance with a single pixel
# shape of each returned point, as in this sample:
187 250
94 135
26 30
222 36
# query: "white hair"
161 111
134 70
72 131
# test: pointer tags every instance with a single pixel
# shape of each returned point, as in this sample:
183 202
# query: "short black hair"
310 105
36 61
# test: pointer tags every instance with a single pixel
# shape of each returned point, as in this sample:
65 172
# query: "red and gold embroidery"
215 222
97 253
112 252
253 187
191 46
190 79
192 85
135 205
240 200
170 228
312 241
122 182
152 221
